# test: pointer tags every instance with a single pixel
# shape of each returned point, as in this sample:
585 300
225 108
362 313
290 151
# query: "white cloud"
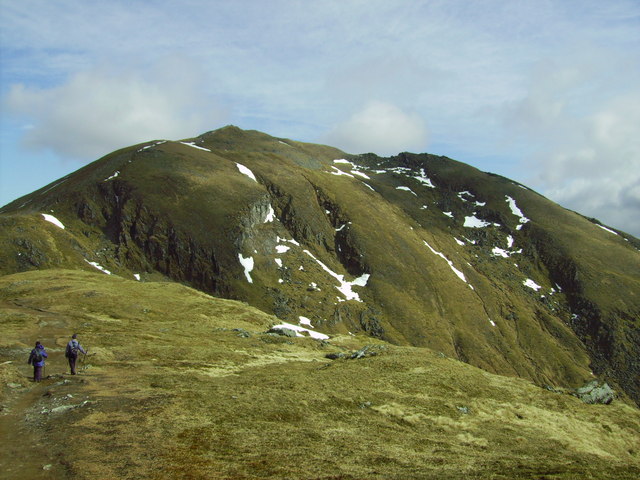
382 128
98 111
587 144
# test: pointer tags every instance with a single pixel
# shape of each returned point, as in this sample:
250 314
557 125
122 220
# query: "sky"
545 92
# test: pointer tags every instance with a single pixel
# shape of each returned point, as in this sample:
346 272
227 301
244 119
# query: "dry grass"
173 391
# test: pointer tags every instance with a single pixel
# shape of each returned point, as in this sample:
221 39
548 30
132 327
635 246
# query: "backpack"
37 356
72 352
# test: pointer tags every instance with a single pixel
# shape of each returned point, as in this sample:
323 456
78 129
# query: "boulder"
594 392
285 332
335 356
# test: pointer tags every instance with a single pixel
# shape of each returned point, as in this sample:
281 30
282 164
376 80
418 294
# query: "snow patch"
191 144
301 330
423 179
607 229
509 241
516 211
282 248
271 215
246 171
247 263
448 214
475 222
345 287
112 176
305 321
280 239
361 174
152 145
462 195
531 284
450 263
339 172
407 189
136 276
52 219
98 266
499 252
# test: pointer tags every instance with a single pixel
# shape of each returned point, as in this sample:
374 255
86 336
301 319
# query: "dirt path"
25 454
28 421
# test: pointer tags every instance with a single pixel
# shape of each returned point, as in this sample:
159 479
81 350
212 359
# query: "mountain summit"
414 249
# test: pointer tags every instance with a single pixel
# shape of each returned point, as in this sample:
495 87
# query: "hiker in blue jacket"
36 358
73 347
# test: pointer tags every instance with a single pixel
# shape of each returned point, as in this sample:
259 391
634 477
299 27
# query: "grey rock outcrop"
594 392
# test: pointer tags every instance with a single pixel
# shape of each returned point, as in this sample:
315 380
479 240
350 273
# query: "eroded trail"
32 419
25 453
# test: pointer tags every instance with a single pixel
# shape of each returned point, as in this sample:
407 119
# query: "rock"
14 385
366 351
242 332
363 352
285 332
63 408
335 356
594 392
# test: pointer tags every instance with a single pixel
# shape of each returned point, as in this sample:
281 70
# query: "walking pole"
84 360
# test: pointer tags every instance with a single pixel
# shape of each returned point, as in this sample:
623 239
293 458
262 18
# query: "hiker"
72 352
36 358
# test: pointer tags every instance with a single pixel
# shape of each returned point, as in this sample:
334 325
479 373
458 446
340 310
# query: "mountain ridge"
458 260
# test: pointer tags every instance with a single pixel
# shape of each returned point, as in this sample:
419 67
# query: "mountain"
415 250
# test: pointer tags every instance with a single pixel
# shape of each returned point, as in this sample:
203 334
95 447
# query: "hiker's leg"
37 374
72 365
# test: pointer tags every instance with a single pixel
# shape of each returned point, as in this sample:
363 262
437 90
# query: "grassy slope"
203 198
174 392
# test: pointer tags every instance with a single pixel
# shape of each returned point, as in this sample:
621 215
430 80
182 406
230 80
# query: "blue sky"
546 92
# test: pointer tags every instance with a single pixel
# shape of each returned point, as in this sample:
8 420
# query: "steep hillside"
415 249
181 385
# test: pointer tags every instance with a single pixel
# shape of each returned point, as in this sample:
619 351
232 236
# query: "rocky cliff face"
413 249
